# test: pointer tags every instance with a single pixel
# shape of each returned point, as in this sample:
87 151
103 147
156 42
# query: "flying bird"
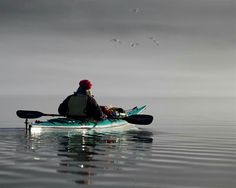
136 10
116 40
154 40
134 44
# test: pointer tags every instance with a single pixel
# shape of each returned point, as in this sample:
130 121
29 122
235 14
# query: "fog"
126 48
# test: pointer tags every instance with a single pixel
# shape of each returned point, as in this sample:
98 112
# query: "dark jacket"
93 110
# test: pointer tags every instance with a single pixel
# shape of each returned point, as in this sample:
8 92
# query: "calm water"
191 143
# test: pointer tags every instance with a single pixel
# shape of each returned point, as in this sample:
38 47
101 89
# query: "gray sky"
162 47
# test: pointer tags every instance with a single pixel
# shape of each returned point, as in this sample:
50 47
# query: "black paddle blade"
26 114
139 119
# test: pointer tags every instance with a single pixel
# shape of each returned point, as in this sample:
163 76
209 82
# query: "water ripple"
132 159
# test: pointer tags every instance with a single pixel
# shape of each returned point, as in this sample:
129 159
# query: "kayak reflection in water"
82 105
89 155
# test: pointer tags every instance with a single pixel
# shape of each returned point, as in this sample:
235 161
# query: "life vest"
77 106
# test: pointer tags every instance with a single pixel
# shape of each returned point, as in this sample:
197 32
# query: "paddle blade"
26 114
139 119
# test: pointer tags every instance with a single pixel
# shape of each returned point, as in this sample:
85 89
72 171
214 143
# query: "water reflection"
85 156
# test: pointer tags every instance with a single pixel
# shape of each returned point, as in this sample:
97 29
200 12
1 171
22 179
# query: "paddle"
139 119
27 114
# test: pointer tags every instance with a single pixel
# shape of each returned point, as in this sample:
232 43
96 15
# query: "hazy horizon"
127 48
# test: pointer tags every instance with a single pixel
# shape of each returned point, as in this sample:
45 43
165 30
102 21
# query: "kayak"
66 123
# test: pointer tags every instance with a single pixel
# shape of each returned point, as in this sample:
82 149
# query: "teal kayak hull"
65 123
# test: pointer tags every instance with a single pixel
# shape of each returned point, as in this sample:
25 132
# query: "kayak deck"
65 123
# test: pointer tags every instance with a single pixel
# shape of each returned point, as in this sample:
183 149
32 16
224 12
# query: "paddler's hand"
104 116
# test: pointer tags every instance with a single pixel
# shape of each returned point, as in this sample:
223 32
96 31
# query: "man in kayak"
81 104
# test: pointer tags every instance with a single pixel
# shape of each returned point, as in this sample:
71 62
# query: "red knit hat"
86 84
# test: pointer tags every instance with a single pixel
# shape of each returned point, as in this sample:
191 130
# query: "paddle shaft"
52 115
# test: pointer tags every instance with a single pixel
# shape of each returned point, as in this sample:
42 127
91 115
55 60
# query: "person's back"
77 105
81 105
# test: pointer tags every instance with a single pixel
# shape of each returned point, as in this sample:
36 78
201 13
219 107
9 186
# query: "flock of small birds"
134 44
